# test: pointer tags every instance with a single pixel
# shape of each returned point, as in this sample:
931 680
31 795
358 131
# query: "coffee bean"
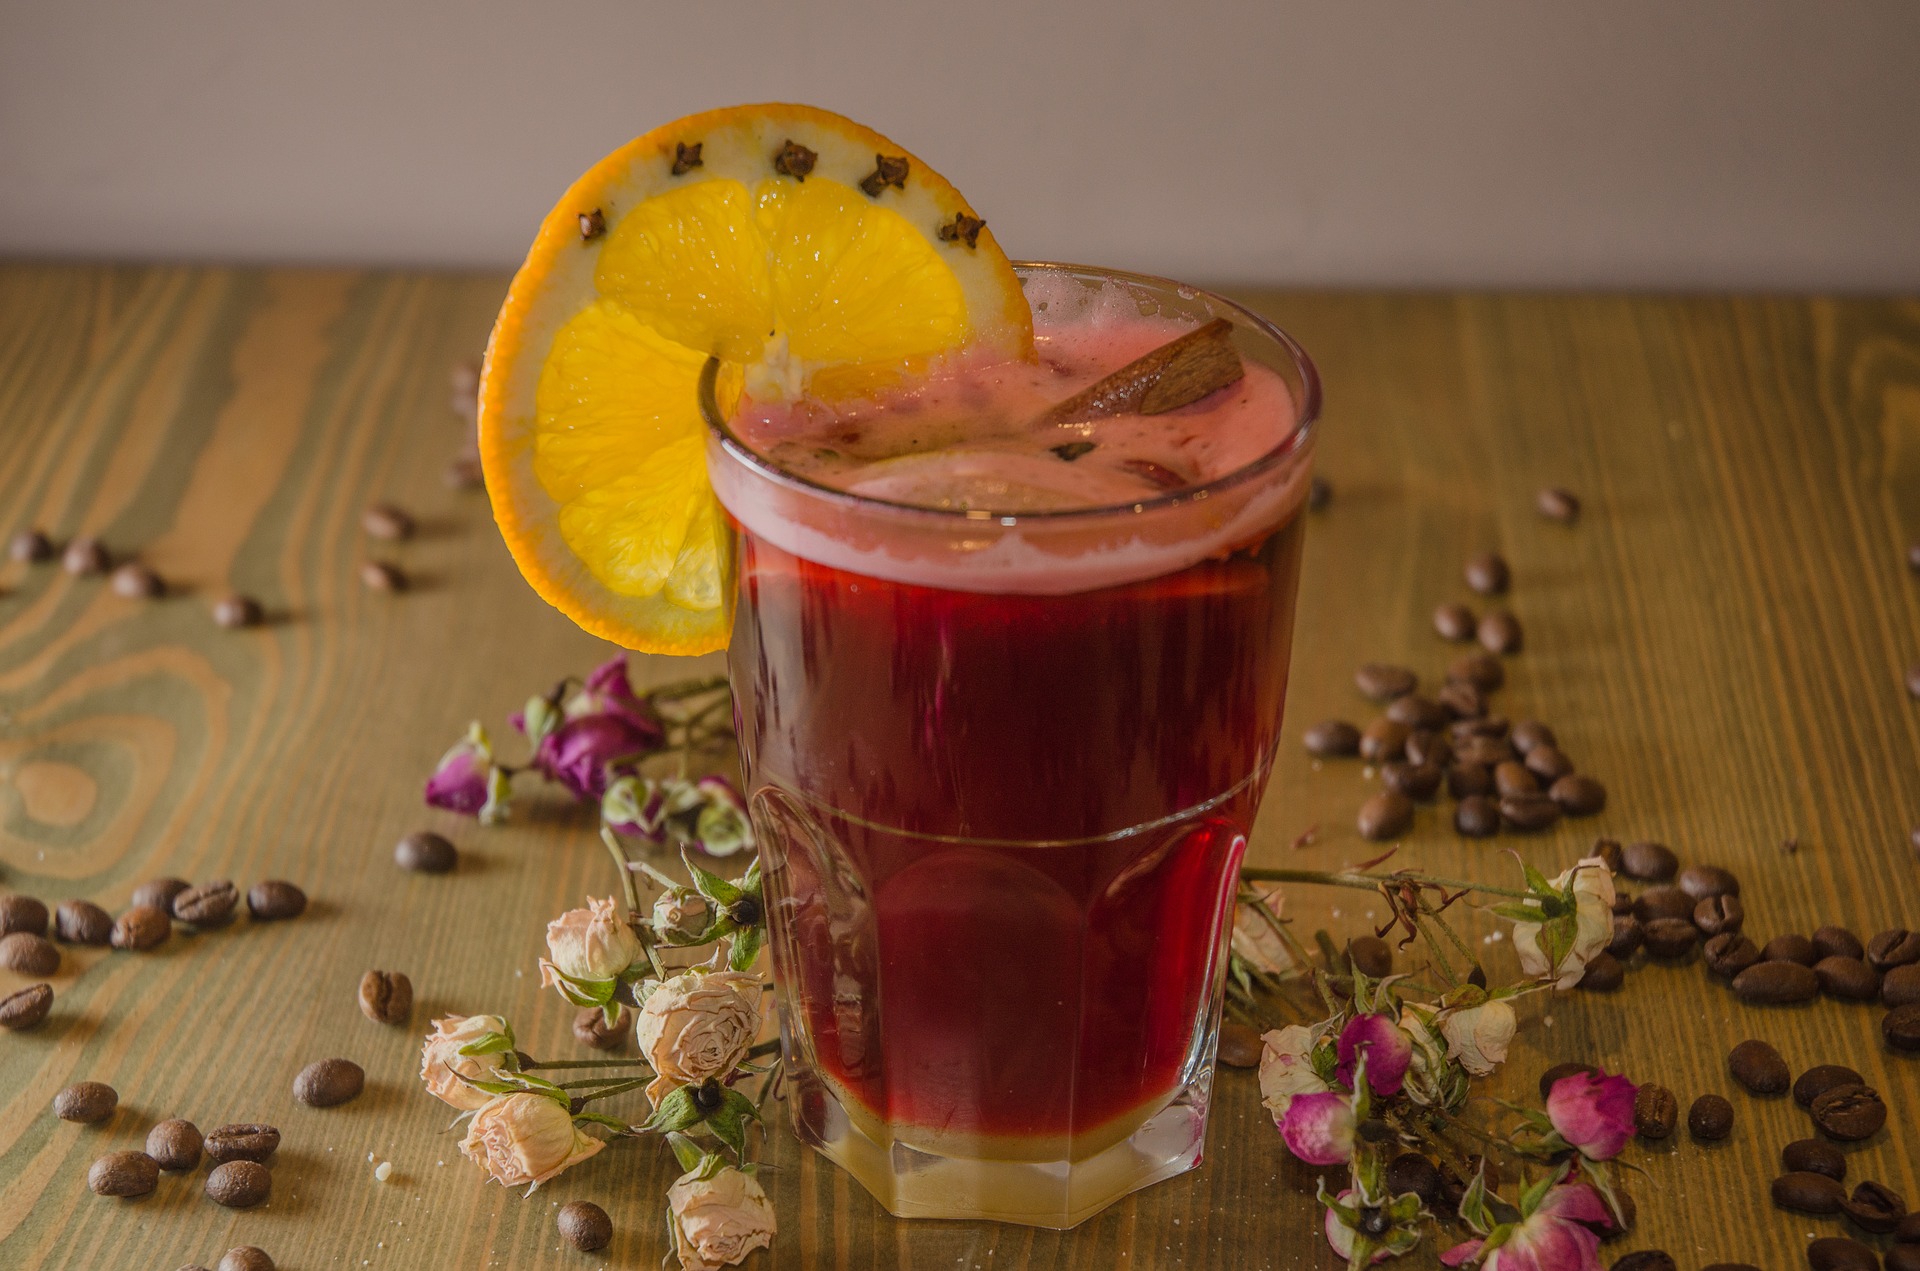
1670 937
1488 574
1903 1257
1792 947
1557 504
1424 746
1808 1193
1710 1118
22 914
385 521
275 900
1454 622
1419 782
1898 947
245 1258
1627 937
1730 1266
1768 983
1899 987
88 1102
141 927
1874 1207
1239 1047
1655 1110
1384 815
1416 710
590 1028
1644 1260
1467 704
1815 1156
1413 1172
381 576
82 922
328 1082
1849 1113
1466 779
239 1184
1330 739
1512 777
1901 1028
1528 813
1500 632
158 893
1729 954
426 852
175 1144
1603 974
1849 979
236 611
1608 850
123 1174
1482 670
208 905
585 1225
1578 795
1913 681
1701 881
1482 752
243 1141
1837 1253
1838 942
25 1008
463 472
1908 1232
1371 955
134 581
1549 763
1719 914
1648 862
1758 1067
1383 681
1663 902
1477 816
1821 1078
386 997
27 954
85 555
33 546
1383 739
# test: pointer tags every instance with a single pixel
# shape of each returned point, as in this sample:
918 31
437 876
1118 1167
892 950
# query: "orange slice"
812 256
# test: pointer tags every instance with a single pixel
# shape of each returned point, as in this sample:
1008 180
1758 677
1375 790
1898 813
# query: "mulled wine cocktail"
1008 691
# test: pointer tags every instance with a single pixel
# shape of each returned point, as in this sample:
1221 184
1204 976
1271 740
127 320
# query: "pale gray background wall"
1642 143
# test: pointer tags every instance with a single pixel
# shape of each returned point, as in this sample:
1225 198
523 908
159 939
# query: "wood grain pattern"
1721 639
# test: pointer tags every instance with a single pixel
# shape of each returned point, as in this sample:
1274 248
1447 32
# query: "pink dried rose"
718 1219
697 1025
594 944
1387 1047
1286 1068
442 1065
609 692
1554 1237
1593 1113
584 754
526 1138
1318 1128
459 780
1255 941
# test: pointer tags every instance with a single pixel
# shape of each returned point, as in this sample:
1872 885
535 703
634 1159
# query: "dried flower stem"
623 868
617 1088
542 1065
1373 882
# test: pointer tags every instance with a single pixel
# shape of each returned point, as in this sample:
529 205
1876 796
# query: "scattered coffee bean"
1792 947
1908 1232
1898 987
244 1141
25 1008
1416 710
85 555
1717 915
1903 1257
1424 746
1901 1028
239 1184
386 997
1627 937
463 472
1913 556
1808 1193
236 611
385 521
1701 881
1530 735
1815 1156
1729 954
134 581
328 1082
1383 739
1710 1118
33 546
123 1174
22 914
1670 937
1384 815
1467 779
1838 942
1849 1113
1528 813
1512 777
26 954
381 576
275 900
158 893
1413 1172
1557 504
1767 983
1319 494
1913 681
1330 739
88 1102
1874 1207
1454 622
82 922
1608 850
1240 1045
1549 763
1837 1253
1463 699
141 927
1663 902
585 1225
1382 681
1648 862
1821 1078
1849 979
1730 1266
175 1144
1488 574
426 852
1482 670
1758 1067
1655 1110
245 1258
1499 632
1889 949
1417 781
208 905
1644 1260
1603 974
1371 956
1482 752
1477 816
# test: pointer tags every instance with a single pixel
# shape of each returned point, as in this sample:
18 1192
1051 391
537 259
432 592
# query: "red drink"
1001 818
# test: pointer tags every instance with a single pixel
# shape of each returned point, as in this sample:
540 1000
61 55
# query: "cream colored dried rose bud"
1478 1036
718 1221
594 943
441 1060
680 913
525 1138
1593 906
698 1025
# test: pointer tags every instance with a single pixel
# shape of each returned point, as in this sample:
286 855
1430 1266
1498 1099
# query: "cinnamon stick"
1180 371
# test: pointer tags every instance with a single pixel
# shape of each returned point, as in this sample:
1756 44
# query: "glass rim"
1306 416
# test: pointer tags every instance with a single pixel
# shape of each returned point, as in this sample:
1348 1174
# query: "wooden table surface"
1722 638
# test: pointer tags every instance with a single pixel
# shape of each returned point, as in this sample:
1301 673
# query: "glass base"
911 1182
